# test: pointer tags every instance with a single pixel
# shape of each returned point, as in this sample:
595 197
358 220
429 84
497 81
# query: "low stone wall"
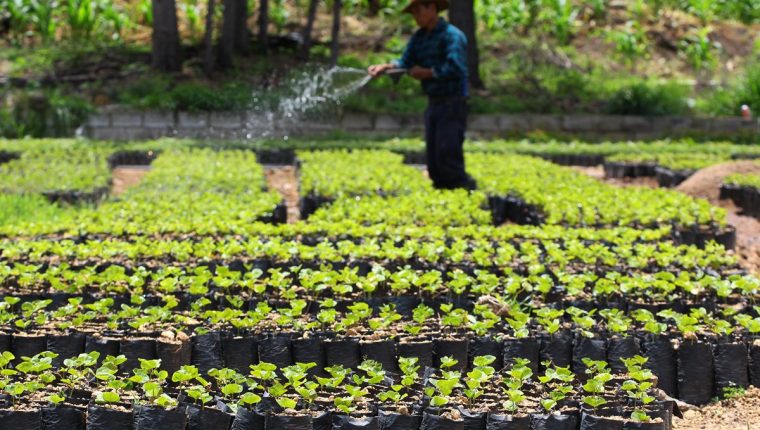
120 124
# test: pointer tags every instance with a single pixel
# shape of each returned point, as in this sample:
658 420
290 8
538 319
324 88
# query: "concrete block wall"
115 123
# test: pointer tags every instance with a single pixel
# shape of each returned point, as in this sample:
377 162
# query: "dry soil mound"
706 182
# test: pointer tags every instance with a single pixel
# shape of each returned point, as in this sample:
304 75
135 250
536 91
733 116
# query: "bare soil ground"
127 177
597 172
283 179
742 413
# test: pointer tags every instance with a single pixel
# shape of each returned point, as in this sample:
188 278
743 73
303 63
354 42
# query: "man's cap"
440 4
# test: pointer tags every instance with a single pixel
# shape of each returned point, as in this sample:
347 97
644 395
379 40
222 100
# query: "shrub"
196 97
43 114
648 99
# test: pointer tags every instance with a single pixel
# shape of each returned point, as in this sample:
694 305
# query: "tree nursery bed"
188 301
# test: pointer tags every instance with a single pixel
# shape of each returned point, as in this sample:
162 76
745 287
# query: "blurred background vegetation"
60 59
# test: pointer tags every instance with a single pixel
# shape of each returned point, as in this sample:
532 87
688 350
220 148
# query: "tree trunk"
227 40
208 39
374 7
310 19
166 55
264 24
242 34
335 44
462 15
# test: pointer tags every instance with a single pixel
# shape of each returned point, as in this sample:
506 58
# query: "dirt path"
742 413
126 177
283 179
597 172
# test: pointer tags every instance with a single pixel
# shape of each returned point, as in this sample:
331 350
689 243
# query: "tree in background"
335 40
310 20
462 15
208 39
166 53
264 24
234 37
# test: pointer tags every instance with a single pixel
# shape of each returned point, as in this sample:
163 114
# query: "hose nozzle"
396 74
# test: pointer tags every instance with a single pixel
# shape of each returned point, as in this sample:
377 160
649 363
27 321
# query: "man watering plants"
437 57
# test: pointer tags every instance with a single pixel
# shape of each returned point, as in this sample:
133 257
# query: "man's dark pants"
445 125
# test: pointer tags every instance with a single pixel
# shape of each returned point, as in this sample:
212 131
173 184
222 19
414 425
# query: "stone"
575 123
126 119
510 122
158 119
387 123
189 120
357 122
225 120
483 123
637 124
99 120
546 122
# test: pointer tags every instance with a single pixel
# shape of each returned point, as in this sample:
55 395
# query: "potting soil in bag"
240 353
247 419
275 350
103 418
173 354
554 422
754 363
344 422
695 373
557 348
481 346
62 418
422 350
619 348
288 422
207 418
522 348
661 359
309 350
321 421
5 342
382 351
437 422
395 421
207 352
343 352
27 346
584 347
103 345
507 422
664 410
592 422
66 346
454 348
134 350
18 420
157 418
473 420
731 362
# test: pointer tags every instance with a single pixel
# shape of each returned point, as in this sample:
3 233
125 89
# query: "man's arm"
405 62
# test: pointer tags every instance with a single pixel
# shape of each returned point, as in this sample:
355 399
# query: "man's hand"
421 73
378 69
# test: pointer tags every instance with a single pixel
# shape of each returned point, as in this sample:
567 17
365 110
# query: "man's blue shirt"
444 50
